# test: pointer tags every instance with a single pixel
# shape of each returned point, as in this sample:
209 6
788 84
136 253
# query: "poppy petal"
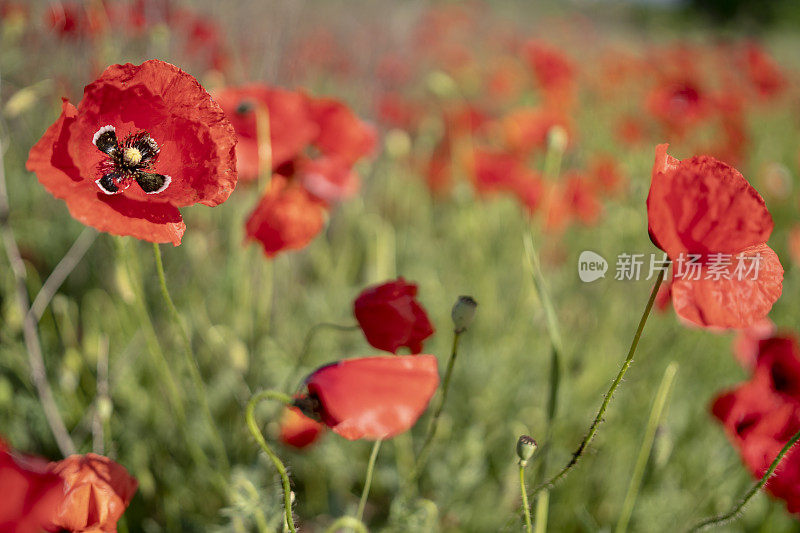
730 303
374 397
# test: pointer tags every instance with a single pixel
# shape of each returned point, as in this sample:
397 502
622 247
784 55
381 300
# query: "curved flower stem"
368 482
607 399
251 424
424 451
737 509
62 270
524 492
29 325
347 521
191 362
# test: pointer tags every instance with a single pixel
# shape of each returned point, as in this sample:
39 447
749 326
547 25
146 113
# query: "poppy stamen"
128 161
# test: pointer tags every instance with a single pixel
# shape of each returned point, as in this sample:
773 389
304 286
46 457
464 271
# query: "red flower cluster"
391 317
152 125
365 398
82 493
699 210
279 133
762 414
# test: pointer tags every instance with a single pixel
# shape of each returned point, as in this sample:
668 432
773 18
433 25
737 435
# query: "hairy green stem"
191 362
424 451
251 424
737 509
607 399
524 493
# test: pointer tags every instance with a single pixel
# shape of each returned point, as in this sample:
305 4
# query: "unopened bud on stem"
463 313
526 447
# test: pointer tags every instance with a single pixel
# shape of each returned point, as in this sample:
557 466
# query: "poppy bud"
526 447
463 313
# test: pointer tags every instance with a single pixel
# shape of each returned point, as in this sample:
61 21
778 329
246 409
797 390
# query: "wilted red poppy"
390 316
371 397
286 218
145 140
297 429
96 493
30 493
761 415
290 124
712 223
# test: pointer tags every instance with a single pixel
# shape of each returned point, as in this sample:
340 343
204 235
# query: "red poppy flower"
30 494
554 72
678 104
581 197
604 173
701 211
290 124
746 342
761 415
286 218
371 397
330 179
764 73
96 493
341 133
298 430
526 129
390 316
144 141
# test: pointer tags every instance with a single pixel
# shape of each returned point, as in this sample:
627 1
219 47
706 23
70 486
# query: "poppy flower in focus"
371 397
761 415
286 218
30 493
298 430
96 493
714 227
390 316
145 140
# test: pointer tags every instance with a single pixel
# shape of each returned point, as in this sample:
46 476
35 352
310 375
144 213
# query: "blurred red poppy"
761 415
678 104
151 124
371 397
525 130
30 493
96 493
746 342
391 317
701 211
554 72
341 133
298 430
286 218
290 124
763 72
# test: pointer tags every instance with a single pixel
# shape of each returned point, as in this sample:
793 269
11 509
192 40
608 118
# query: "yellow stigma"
132 156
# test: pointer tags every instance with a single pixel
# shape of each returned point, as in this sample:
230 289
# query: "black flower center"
128 161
